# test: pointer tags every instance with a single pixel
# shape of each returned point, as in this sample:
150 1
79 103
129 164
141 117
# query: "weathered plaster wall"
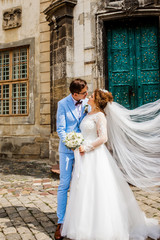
30 20
20 137
84 41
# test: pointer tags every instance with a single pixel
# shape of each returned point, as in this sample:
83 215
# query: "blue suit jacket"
67 120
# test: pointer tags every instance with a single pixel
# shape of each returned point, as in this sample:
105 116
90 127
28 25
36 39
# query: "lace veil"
134 138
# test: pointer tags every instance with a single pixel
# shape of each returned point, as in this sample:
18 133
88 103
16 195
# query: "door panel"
133 61
148 83
150 93
120 64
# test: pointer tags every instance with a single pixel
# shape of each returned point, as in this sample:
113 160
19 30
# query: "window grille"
14 82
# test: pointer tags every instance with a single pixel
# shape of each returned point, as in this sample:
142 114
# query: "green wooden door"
133 61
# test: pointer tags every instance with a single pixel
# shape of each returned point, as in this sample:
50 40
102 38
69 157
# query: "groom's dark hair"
77 85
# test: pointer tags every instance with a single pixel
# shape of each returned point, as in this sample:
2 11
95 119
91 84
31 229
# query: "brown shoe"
57 234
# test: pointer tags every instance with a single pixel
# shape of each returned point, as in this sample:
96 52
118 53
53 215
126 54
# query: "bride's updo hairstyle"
102 98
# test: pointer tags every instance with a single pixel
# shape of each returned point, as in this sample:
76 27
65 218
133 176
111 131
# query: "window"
14 82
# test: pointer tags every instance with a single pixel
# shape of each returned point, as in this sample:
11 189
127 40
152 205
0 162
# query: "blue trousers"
66 164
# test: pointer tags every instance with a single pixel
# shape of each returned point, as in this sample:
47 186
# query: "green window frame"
14 81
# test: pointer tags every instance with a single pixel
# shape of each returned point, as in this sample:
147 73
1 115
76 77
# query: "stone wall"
44 66
60 18
28 137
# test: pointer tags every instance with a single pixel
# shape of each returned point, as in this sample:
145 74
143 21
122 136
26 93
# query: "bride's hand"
81 150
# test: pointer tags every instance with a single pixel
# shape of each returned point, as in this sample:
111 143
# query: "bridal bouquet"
73 140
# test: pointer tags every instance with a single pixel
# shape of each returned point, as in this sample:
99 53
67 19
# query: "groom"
71 111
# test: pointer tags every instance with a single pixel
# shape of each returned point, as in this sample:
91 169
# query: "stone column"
60 17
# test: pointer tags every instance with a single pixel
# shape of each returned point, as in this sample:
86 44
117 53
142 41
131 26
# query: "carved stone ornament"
130 5
12 18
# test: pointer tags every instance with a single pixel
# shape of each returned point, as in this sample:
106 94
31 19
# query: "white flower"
73 140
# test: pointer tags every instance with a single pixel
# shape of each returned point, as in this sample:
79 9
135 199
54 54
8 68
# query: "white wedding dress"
101 205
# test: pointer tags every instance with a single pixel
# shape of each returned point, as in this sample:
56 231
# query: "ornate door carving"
133 62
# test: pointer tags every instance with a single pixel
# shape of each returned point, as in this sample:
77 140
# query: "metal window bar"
0 99
0 66
20 64
19 98
4 66
14 95
5 99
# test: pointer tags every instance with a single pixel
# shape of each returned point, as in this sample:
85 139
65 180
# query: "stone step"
55 169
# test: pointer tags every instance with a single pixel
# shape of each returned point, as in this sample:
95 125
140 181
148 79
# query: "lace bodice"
94 130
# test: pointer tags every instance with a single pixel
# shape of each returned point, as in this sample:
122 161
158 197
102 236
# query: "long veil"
134 137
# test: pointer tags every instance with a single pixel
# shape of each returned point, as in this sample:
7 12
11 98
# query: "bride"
101 205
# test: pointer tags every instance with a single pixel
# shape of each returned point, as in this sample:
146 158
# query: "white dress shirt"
78 107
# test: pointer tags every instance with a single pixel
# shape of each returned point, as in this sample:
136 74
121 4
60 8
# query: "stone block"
44 27
45 67
44 5
45 47
45 108
54 36
88 70
45 77
45 57
69 69
44 36
41 140
7 147
69 54
45 87
60 71
28 236
14 236
61 55
62 32
44 150
79 68
43 18
55 45
2 236
54 57
69 31
89 55
57 72
45 98
69 42
53 149
45 119
62 42
59 92
29 148
9 230
43 1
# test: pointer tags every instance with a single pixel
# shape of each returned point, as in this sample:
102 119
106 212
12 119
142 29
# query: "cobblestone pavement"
28 201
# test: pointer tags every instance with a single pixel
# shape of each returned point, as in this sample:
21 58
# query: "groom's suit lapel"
72 107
